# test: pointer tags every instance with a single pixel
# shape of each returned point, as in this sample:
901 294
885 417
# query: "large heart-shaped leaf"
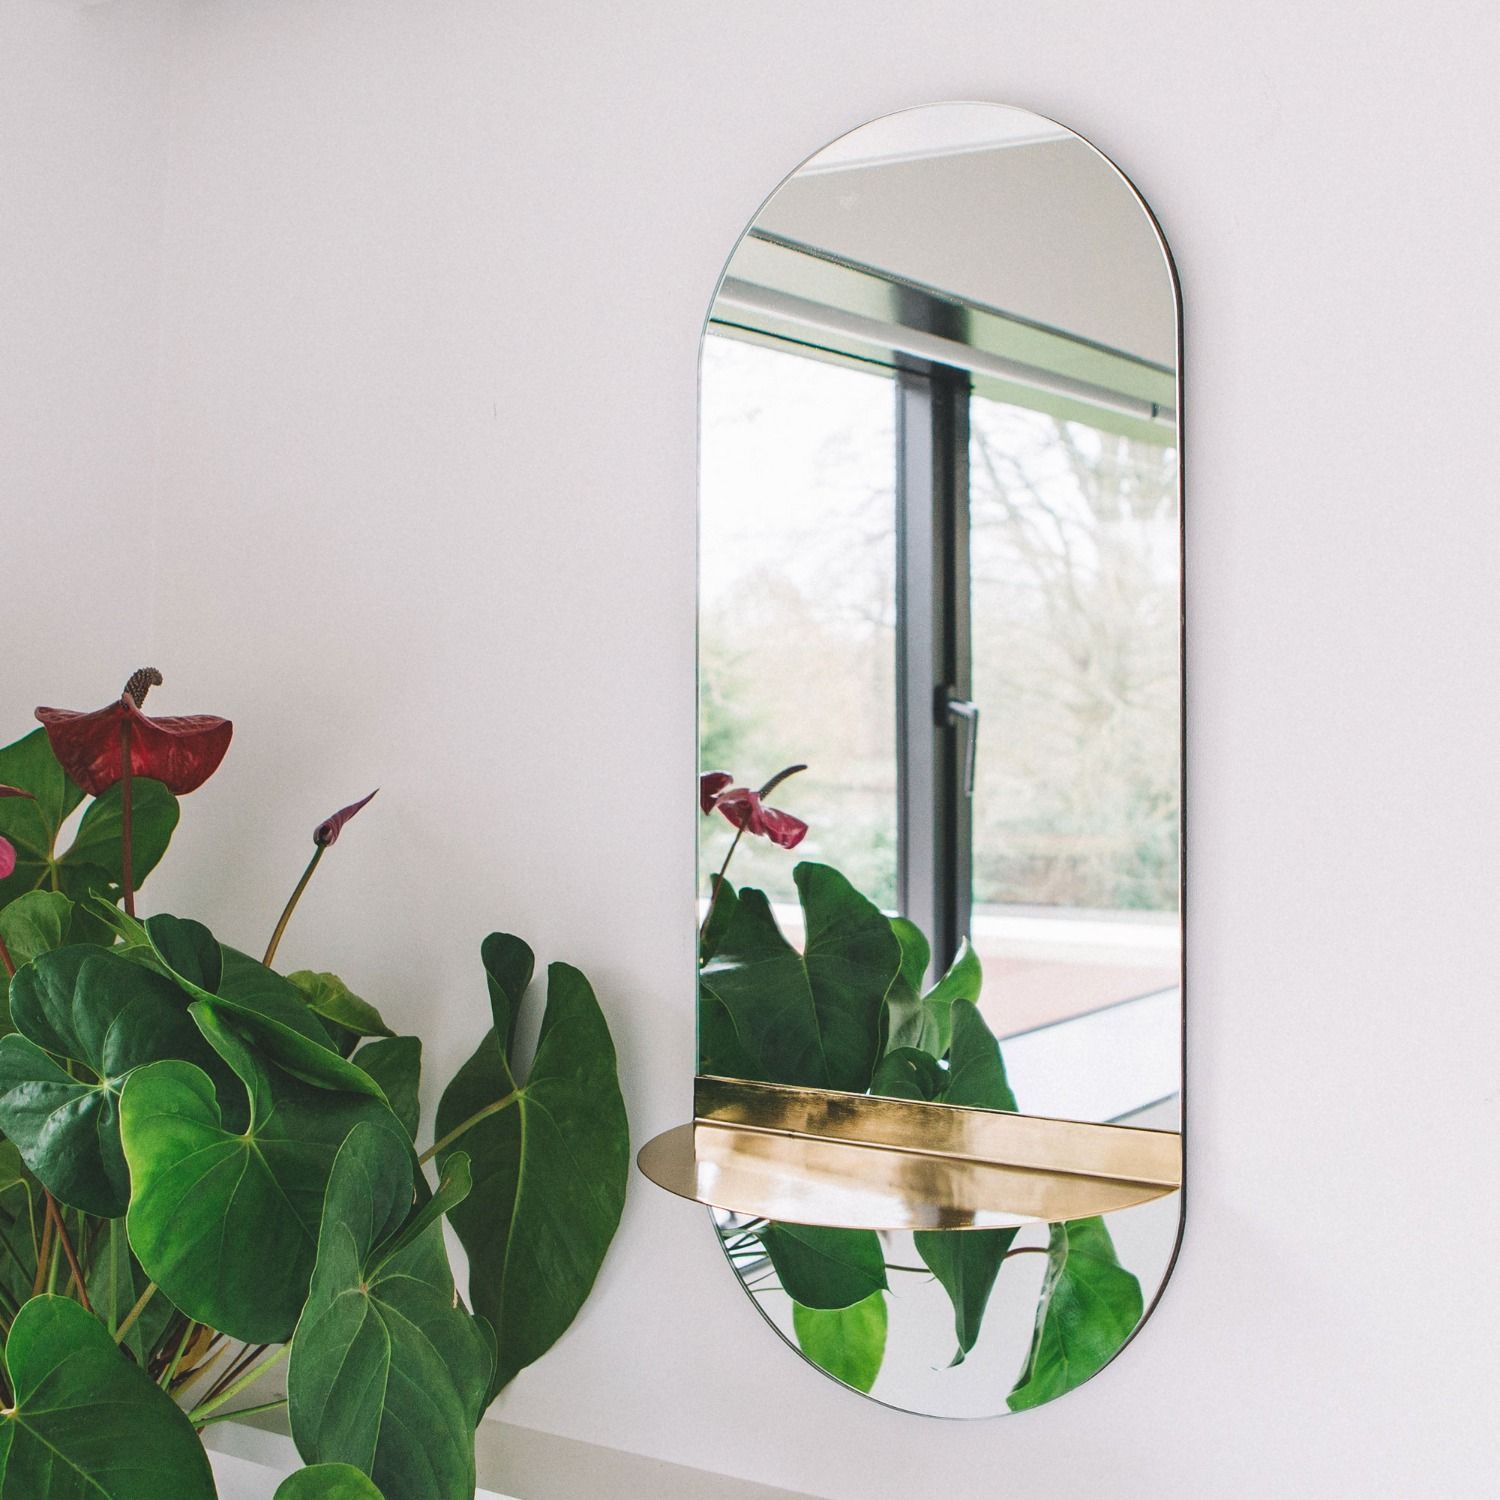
106 1017
1090 1305
226 1222
811 1018
86 1423
31 925
967 1261
395 1063
825 1268
328 1482
848 1342
551 1157
387 1373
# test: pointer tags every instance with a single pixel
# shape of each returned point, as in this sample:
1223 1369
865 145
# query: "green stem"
170 1373
197 1415
713 899
128 1321
469 1124
291 906
244 1411
127 799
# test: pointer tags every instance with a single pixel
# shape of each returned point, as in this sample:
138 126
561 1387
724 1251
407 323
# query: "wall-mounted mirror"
940 688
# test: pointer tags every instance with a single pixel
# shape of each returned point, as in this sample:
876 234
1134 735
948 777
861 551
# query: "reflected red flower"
328 830
180 752
747 810
15 791
7 858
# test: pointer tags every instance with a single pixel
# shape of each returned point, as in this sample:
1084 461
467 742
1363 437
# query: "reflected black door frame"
933 656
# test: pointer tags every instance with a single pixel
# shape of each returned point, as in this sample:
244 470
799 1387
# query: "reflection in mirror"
940 587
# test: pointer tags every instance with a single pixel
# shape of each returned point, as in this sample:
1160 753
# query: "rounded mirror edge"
1155 1287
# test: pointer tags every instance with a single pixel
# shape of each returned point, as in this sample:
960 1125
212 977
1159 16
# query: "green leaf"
1089 1306
550 1166
967 1261
723 901
976 1071
387 1373
32 825
153 819
825 1268
87 1422
329 997
508 967
916 952
226 1222
925 1021
116 1282
809 1019
908 1074
395 1063
98 1010
848 1342
20 1231
328 1482
31 925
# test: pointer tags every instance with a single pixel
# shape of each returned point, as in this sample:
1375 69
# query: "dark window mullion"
933 660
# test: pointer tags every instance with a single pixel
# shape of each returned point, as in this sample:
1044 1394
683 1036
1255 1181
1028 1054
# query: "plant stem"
198 1413
127 800
43 1255
291 906
713 899
469 1124
171 1371
244 1411
1027 1250
237 1367
6 959
140 1306
67 1245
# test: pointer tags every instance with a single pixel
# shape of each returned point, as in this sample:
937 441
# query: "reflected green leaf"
328 1482
848 1342
812 1018
824 1268
1089 1306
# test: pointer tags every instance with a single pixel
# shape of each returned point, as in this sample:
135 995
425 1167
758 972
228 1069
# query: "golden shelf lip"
856 1161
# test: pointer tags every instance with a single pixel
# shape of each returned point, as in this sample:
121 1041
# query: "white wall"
434 278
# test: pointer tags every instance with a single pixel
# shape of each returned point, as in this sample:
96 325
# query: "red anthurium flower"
747 810
710 784
328 830
181 753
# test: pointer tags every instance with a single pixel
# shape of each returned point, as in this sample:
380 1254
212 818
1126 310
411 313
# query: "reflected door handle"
966 713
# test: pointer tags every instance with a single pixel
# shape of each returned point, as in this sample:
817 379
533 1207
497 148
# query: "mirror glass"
940 576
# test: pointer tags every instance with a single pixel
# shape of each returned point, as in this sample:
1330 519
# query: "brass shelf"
855 1161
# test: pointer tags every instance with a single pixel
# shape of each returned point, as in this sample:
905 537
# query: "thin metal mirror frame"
1170 262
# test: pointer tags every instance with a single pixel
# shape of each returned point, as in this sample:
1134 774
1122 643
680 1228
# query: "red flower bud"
328 830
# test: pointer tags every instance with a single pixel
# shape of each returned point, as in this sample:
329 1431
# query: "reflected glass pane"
798 601
1074 558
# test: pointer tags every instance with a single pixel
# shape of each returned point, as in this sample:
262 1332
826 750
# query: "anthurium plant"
211 1171
852 1012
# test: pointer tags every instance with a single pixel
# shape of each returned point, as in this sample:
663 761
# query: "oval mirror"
940 690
